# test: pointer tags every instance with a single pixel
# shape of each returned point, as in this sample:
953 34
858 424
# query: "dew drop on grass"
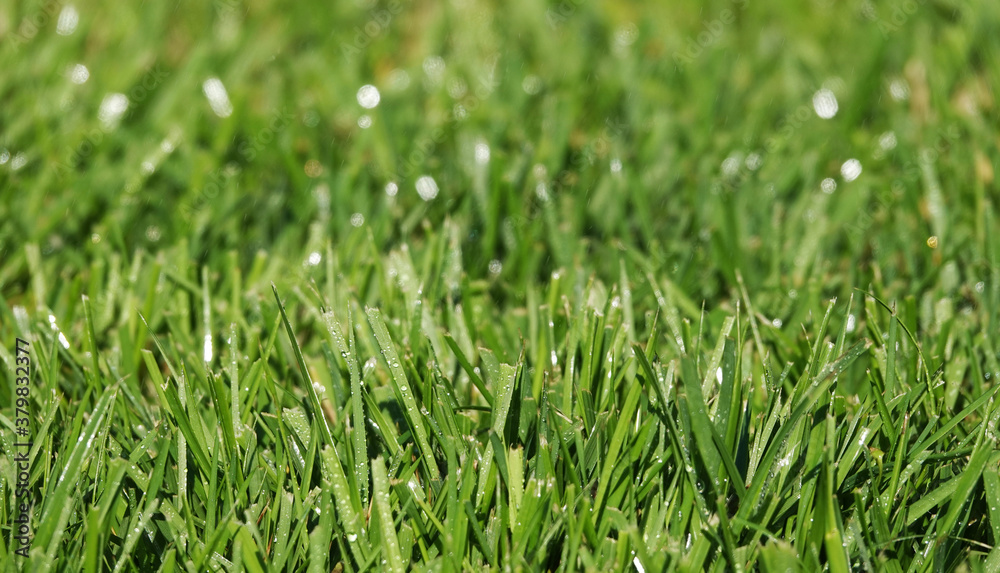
825 103
399 80
626 35
899 89
532 84
457 88
887 141
731 165
69 18
217 96
113 106
368 96
434 68
542 192
850 170
482 153
427 188
79 74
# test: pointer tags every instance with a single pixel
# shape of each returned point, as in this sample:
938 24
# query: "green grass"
641 333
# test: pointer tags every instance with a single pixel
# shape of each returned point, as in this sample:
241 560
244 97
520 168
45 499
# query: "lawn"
575 285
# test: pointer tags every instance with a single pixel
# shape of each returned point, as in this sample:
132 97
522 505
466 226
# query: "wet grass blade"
404 392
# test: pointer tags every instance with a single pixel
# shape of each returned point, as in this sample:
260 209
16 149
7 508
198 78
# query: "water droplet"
218 99
850 170
899 89
357 220
457 88
79 74
427 188
391 189
828 185
532 84
434 68
482 153
731 165
68 20
399 80
825 103
626 35
368 96
208 348
365 121
112 108
887 141
542 192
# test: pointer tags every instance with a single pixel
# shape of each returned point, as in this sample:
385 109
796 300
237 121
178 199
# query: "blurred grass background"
605 85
